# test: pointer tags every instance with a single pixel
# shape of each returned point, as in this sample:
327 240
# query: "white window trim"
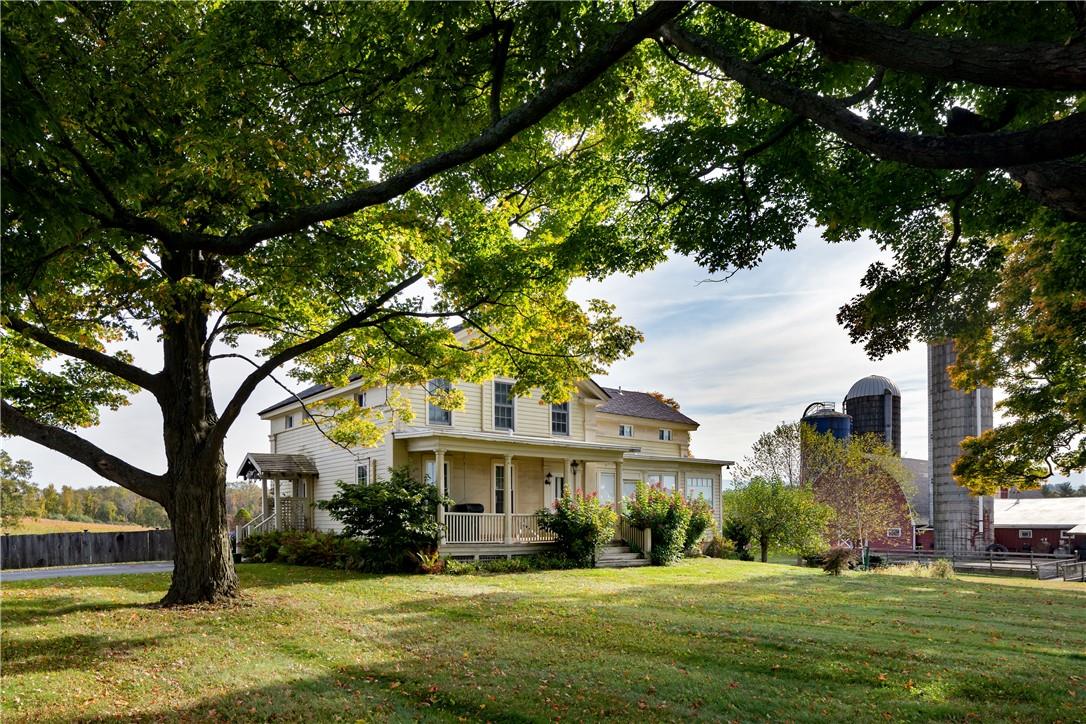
891 534
430 469
569 420
622 427
360 398
600 487
665 434
431 406
363 466
661 473
288 422
1024 533
494 489
494 404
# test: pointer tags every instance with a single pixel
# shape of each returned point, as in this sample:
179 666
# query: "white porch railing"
259 524
474 528
490 528
526 529
638 539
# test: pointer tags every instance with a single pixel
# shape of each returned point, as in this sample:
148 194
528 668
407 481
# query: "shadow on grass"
77 651
20 612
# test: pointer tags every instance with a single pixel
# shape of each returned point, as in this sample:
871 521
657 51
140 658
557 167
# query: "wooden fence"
74 549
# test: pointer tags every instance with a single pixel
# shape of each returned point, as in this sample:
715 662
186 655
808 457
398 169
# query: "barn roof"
1039 512
276 465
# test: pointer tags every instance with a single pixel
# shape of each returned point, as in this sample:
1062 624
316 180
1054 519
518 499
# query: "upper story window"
438 415
665 434
504 417
363 474
360 398
560 419
288 422
625 430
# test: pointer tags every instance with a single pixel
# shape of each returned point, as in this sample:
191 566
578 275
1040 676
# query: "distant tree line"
1063 490
20 498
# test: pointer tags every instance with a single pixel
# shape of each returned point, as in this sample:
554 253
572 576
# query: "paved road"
100 570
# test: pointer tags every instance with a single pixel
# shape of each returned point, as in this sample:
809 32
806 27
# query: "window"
665 435
503 406
893 533
438 415
625 430
606 487
629 487
699 488
289 422
360 398
499 490
431 472
1025 533
664 480
364 473
560 419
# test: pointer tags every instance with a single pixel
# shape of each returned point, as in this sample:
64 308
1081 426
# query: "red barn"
1041 525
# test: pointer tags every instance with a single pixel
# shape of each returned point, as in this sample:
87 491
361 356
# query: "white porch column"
278 517
263 497
507 499
618 486
439 481
569 478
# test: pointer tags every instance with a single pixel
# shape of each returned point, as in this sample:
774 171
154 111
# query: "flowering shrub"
701 520
666 514
837 559
581 525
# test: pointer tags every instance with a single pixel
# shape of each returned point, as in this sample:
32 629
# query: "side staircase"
619 555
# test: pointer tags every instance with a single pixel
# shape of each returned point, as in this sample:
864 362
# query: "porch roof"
488 442
277 466
648 457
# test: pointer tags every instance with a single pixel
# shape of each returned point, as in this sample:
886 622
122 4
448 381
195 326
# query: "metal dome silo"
874 404
824 418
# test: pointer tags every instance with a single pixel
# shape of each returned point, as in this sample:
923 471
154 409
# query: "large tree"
202 172
951 133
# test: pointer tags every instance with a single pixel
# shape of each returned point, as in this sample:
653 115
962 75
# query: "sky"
739 356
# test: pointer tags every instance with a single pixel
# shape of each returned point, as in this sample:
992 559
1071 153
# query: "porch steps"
619 556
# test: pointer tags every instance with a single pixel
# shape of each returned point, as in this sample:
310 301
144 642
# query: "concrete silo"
874 404
961 520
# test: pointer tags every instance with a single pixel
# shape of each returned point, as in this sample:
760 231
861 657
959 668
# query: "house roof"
1039 512
641 404
277 465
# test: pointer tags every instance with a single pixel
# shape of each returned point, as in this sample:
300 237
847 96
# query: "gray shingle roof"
277 465
307 392
641 404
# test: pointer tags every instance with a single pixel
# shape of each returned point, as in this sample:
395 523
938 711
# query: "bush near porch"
582 525
666 514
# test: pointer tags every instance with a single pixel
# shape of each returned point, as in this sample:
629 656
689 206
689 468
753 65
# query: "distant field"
34 526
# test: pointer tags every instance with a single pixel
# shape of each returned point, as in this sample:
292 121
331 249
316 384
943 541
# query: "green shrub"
701 520
581 524
942 568
459 568
307 548
666 514
719 547
739 534
837 559
396 517
520 564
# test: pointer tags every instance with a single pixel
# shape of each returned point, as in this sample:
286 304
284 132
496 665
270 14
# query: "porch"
289 505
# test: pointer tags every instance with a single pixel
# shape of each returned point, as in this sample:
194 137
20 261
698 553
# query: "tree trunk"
763 543
203 565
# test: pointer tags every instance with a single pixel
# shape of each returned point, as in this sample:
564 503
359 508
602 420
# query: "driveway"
109 569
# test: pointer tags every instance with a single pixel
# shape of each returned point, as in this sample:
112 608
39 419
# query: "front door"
554 486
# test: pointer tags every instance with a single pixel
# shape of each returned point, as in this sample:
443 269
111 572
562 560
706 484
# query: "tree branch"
1047 66
497 73
583 71
249 384
119 368
1051 141
141 482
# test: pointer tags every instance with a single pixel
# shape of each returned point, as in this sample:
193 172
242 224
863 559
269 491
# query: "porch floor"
488 551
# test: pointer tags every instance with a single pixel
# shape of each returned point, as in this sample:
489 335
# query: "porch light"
547 479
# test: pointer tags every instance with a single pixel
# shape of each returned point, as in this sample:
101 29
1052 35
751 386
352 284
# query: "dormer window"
625 430
438 415
665 434
288 422
560 419
360 398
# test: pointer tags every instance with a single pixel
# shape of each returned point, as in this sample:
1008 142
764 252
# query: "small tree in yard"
778 515
395 516
581 524
701 520
738 533
16 490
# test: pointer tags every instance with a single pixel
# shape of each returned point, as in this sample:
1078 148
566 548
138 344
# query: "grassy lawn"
708 639
34 526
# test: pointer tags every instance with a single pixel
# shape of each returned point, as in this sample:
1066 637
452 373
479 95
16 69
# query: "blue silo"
824 418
